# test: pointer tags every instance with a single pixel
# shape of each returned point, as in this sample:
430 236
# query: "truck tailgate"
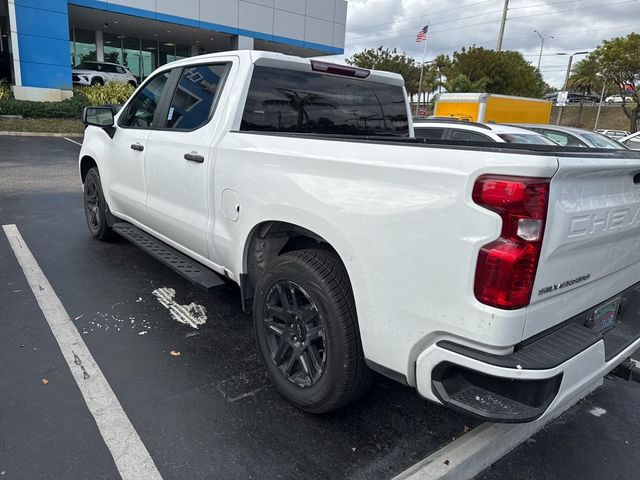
591 247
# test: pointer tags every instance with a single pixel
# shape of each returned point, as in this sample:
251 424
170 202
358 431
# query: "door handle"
194 157
137 147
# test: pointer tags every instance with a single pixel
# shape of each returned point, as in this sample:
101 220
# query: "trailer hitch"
628 370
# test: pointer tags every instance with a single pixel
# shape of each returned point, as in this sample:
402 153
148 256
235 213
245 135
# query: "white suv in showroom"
99 73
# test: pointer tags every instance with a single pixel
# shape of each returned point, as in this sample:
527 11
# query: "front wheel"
306 330
95 207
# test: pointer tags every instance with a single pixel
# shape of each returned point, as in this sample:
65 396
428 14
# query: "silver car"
575 137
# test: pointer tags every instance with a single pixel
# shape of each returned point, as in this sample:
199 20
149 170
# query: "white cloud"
575 25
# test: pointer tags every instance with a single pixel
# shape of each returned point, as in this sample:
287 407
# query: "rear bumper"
541 373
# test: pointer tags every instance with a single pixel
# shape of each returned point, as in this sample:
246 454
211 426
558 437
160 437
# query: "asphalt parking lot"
198 397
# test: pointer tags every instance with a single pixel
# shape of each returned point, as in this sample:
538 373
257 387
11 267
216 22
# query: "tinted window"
291 101
109 68
527 138
143 106
88 66
120 70
633 143
600 141
564 139
428 132
194 96
466 136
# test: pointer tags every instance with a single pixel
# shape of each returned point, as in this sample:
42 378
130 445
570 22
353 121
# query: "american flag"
422 34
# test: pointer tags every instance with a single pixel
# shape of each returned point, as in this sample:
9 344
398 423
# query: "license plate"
604 317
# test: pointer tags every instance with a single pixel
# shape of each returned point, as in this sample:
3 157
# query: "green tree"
585 77
390 61
505 72
618 61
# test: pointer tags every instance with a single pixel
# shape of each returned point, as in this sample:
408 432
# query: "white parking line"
129 453
72 141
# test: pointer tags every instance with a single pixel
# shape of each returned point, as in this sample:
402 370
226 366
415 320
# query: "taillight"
507 266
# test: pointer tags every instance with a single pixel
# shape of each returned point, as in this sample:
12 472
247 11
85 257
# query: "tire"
133 84
321 334
95 207
97 81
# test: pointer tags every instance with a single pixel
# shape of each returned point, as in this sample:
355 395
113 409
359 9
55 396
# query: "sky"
576 25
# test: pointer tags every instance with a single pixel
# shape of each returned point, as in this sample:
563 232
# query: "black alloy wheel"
295 333
95 207
306 330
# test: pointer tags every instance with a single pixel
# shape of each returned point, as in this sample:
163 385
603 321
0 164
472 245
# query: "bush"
5 90
71 108
113 93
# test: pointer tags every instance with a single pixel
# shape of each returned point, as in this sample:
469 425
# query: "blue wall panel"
43 40
51 5
45 76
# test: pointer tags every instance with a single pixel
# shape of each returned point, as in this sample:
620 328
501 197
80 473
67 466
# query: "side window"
109 68
120 70
633 143
143 106
194 96
557 137
430 133
465 136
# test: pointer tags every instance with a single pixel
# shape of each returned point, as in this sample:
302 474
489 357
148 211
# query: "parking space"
198 398
204 411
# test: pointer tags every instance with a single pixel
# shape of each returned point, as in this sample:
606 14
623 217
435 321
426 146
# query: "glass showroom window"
83 45
149 57
113 48
131 55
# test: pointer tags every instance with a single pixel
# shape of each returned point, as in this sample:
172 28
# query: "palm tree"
299 101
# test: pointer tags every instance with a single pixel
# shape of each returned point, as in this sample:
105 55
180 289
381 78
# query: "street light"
565 87
542 40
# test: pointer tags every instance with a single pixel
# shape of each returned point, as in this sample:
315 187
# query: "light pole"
565 87
542 40
604 84
503 22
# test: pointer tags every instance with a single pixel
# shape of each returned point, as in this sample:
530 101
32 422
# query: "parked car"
573 97
631 141
615 99
99 73
460 130
575 137
485 277
615 134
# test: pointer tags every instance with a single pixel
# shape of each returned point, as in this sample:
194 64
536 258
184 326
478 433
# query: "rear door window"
432 133
193 100
467 136
303 102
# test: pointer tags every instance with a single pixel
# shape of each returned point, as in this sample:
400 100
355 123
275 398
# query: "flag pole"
424 57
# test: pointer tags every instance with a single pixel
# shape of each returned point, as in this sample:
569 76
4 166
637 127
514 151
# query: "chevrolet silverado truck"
496 279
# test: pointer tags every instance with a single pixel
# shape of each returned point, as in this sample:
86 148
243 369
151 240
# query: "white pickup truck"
499 280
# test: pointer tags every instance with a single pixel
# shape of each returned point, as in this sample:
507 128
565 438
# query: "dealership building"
42 40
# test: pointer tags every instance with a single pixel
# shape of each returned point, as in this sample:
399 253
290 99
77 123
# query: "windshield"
528 138
598 140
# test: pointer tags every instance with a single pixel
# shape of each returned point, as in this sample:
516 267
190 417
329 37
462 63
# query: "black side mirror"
100 117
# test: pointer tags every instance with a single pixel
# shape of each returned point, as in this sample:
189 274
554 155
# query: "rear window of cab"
303 102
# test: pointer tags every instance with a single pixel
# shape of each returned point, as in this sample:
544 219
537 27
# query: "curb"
477 450
39 134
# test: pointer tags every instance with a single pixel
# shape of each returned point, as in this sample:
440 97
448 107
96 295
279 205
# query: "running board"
193 271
